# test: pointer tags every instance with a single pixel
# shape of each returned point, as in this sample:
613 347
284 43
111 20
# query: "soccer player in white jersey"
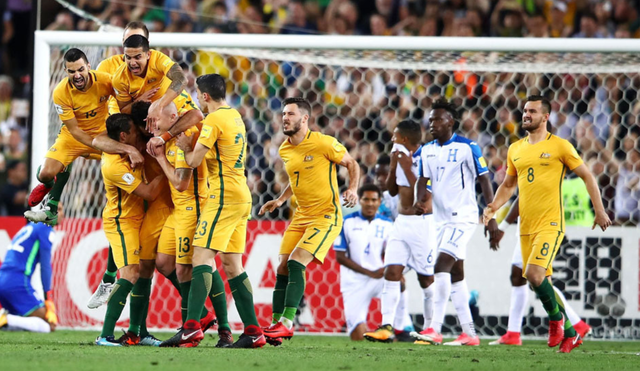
412 241
520 290
453 164
359 250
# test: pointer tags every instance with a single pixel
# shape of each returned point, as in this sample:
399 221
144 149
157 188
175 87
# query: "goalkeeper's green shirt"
577 204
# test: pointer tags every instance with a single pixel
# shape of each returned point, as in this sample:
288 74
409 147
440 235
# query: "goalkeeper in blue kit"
21 309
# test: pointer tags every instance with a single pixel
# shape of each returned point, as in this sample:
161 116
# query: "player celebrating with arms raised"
536 165
310 159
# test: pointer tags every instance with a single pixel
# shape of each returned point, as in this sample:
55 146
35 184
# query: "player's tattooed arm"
177 77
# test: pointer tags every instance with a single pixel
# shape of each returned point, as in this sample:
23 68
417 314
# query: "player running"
222 227
80 100
122 220
412 242
536 165
359 252
311 160
21 308
453 164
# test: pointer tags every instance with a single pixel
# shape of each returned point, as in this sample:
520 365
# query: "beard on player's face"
294 126
529 123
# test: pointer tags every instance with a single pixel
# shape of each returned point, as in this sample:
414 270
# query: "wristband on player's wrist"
504 225
166 136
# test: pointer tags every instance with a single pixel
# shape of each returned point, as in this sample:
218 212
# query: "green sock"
200 287
243 295
219 301
548 298
139 301
48 184
295 289
173 278
185 287
569 331
115 305
278 297
110 274
143 326
58 187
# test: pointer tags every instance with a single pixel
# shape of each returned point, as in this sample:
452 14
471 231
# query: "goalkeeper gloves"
51 316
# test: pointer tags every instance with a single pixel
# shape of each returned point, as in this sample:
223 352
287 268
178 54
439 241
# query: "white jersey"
453 169
389 205
401 178
364 242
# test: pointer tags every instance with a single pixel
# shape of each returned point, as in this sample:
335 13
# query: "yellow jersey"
110 66
152 169
312 169
120 180
540 169
224 133
89 107
129 87
198 186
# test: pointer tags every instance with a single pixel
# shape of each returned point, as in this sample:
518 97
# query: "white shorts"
517 251
357 299
412 243
453 239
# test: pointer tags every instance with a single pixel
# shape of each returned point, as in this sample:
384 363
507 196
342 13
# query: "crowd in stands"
360 106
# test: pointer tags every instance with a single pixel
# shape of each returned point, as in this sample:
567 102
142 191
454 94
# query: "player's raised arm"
103 143
601 218
351 194
392 185
178 81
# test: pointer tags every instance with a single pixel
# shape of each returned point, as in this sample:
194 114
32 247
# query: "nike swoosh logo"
254 340
218 294
121 303
181 256
137 296
307 243
75 109
188 336
539 258
516 159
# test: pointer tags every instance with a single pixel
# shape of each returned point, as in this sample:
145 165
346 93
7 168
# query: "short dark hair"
302 103
137 41
118 123
447 106
383 160
369 187
139 112
12 164
546 105
411 130
214 85
137 25
75 54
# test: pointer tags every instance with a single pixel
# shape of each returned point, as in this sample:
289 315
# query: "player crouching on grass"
22 309
122 219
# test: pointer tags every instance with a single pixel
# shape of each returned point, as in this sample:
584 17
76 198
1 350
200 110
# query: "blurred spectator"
558 24
6 90
13 195
297 23
589 27
628 189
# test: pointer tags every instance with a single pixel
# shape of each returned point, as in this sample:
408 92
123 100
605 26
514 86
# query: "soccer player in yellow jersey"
536 165
122 218
222 227
311 160
80 100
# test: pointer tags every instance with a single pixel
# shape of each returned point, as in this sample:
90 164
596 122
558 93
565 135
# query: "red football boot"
278 330
207 321
510 338
38 194
569 344
556 332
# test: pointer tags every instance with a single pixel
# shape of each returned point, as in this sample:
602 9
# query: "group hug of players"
159 140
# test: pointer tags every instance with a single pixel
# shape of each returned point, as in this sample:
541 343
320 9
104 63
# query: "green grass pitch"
74 350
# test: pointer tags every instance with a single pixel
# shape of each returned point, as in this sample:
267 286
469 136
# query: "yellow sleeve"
181 162
511 169
163 63
569 156
121 87
120 175
333 150
210 133
63 103
105 66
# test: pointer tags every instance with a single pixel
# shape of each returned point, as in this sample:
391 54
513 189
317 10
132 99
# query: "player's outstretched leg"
49 213
103 290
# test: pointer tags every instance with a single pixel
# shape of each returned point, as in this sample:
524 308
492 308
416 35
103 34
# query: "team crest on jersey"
104 98
308 158
151 81
545 155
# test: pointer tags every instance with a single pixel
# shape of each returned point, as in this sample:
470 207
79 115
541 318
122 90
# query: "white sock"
460 299
440 299
402 318
573 316
33 324
427 305
519 301
390 299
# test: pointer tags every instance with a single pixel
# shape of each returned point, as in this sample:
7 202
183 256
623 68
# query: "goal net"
360 88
